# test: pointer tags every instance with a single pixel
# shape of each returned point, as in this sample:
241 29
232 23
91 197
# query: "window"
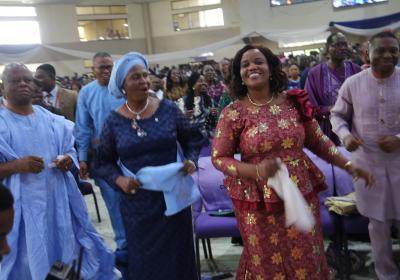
185 4
18 25
101 10
275 3
102 23
198 19
106 29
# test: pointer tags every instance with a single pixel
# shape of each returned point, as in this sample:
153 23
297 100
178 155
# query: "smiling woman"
18 25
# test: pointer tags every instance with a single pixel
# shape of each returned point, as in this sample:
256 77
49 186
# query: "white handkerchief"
297 212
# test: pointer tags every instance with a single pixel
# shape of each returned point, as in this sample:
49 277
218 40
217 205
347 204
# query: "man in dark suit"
54 95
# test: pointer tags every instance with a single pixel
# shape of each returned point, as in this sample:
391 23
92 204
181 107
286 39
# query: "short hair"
101 54
278 82
11 66
49 69
383 34
331 38
6 198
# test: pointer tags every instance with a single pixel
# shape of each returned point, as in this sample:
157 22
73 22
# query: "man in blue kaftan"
50 217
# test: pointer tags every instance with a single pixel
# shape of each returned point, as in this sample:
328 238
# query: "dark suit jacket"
68 99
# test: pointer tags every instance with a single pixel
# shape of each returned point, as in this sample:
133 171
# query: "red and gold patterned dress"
272 251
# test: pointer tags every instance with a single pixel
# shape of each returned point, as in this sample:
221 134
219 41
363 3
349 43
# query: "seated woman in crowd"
197 105
144 132
176 86
264 124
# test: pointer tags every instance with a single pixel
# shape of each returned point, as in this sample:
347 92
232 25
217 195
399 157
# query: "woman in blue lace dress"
144 132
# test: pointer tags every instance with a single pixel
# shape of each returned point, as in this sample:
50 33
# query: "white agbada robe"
50 216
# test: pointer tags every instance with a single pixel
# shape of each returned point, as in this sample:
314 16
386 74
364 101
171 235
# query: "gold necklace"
259 104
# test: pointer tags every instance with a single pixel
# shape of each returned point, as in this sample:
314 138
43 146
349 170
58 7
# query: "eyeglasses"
104 67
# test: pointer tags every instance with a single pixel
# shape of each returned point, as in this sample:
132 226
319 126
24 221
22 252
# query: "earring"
193 88
270 78
242 83
123 91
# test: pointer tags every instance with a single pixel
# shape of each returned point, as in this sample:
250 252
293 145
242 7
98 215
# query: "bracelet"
259 178
347 164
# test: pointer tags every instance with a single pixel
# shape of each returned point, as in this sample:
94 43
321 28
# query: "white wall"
58 23
261 16
135 19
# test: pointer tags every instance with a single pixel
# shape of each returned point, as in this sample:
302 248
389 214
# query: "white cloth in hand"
297 212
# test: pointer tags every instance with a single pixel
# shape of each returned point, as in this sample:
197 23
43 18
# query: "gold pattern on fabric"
274 238
233 115
232 169
275 109
306 165
292 233
296 253
253 240
313 208
218 133
287 159
263 127
325 138
294 121
265 146
218 162
267 192
256 260
313 231
253 110
287 143
294 179
252 132
215 152
251 219
294 162
247 193
247 275
333 150
271 220
253 150
319 132
276 258
259 277
279 276
301 274
283 124
316 250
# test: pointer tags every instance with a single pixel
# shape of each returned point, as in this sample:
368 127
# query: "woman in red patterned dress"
264 124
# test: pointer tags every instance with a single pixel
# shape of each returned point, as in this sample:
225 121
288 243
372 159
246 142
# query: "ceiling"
74 2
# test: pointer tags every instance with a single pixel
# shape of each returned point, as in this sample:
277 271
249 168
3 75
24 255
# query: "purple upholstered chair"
215 200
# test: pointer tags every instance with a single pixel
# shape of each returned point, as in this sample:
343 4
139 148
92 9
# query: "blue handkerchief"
179 191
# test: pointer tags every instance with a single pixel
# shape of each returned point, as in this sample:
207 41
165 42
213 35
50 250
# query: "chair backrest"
337 176
210 181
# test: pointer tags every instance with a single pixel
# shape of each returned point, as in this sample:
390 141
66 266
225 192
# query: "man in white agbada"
50 217
366 117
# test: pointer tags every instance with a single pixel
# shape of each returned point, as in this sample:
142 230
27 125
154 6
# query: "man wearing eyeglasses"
94 105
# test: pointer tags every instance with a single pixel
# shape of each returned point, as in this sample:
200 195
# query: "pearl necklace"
137 113
259 104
